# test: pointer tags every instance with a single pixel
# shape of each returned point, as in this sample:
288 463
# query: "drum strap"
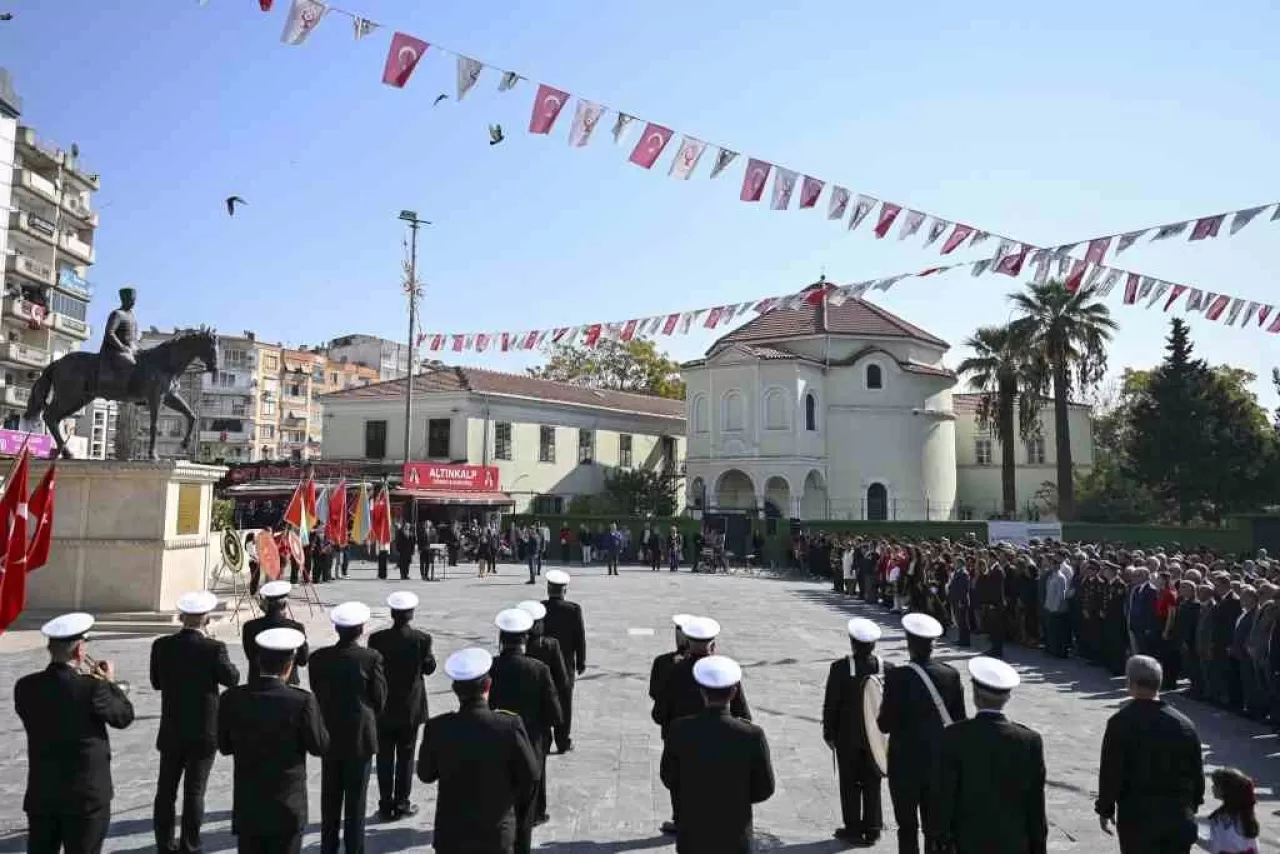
933 693
853 667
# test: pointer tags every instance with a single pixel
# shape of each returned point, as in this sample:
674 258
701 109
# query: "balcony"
30 268
25 310
73 284
35 183
23 354
16 395
226 437
80 211
76 248
68 325
34 226
32 145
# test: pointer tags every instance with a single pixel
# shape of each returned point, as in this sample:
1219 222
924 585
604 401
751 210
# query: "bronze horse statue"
73 379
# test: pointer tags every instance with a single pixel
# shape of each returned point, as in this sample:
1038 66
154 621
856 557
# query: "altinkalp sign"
454 477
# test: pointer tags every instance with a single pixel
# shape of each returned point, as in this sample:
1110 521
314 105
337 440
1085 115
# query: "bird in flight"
495 134
232 201
439 98
6 16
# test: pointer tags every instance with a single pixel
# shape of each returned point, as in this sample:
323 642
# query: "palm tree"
1066 335
998 369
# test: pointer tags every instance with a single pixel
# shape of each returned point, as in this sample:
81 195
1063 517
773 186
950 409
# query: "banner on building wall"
454 477
1022 533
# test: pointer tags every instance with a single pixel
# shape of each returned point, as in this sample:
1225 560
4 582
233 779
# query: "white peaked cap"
681 619
993 674
533 608
700 628
717 671
281 640
469 664
197 602
863 630
67 626
557 576
922 626
275 589
402 600
514 621
350 614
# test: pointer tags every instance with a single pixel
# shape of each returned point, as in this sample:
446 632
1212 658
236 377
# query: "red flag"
1207 227
41 511
649 148
1076 276
809 191
294 510
8 506
593 335
713 317
381 518
1275 323
754 180
629 331
309 502
929 272
546 108
1177 291
265 5
457 343
1219 305
1011 264
958 235
437 342
1263 311
531 340
1131 289
402 58
818 293
13 587
1097 250
888 213
336 524
669 325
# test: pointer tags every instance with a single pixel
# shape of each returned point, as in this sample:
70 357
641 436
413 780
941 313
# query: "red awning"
443 496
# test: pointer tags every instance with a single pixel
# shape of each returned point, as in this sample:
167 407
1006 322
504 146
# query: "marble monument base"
127 536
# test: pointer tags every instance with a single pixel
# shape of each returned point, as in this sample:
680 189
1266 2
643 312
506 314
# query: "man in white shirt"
1058 610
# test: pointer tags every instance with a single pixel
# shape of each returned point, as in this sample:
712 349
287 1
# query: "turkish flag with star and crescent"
546 108
649 148
754 180
402 57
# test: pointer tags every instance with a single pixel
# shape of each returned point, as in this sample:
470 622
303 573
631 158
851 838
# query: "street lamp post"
411 287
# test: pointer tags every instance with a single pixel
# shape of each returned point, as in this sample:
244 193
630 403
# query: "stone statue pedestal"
127 536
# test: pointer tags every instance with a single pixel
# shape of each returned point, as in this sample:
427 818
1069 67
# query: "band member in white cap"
991 777
406 658
920 699
564 623
351 688
275 599
270 726
523 685
187 669
716 765
844 729
546 649
66 709
486 767
658 673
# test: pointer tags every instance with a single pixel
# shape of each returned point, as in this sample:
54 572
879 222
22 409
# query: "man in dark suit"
1144 626
187 668
275 600
483 760
958 589
920 699
269 727
988 593
717 766
404 549
406 658
1225 682
547 650
351 688
66 714
426 557
844 730
1151 778
564 623
991 774
658 673
523 685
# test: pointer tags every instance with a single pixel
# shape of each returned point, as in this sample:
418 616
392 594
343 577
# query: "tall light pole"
411 288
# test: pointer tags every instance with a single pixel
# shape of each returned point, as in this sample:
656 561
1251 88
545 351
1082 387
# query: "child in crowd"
1233 827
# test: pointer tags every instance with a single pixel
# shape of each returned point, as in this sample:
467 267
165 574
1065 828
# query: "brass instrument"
94 669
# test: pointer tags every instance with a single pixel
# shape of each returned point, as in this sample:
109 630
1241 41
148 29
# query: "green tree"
630 492
635 366
998 370
1106 493
1067 335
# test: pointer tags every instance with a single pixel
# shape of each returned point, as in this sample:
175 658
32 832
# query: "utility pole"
411 289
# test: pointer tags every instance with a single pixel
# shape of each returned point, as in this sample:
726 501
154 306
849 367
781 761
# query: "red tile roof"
853 317
480 381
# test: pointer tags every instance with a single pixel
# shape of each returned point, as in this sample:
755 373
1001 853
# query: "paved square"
605 796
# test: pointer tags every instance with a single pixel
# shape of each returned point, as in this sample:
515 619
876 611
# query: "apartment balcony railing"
77 248
30 224
24 354
35 183
16 395
25 265
79 210
69 325
24 310
73 284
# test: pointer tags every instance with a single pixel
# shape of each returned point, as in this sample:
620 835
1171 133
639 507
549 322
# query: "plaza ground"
605 796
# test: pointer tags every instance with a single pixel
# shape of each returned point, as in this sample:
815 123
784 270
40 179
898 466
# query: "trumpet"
97 671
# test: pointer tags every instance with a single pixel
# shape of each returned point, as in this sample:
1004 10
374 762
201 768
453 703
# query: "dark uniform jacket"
991 788
523 685
351 688
66 715
988 590
271 620
486 768
842 723
681 696
406 659
547 650
716 766
659 671
909 717
1151 767
270 727
564 623
187 668
1223 627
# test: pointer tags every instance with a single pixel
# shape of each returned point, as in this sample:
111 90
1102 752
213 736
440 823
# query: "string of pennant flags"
406 51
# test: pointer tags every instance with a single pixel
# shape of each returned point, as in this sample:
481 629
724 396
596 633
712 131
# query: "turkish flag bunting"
457 343
593 335
1263 311
958 235
13 587
888 213
929 272
1207 227
809 192
1097 250
1011 264
669 325
713 317
546 108
531 340
1076 276
265 5
629 331
1275 323
1131 289
649 148
754 180
437 342
1177 291
818 292
402 57
1219 305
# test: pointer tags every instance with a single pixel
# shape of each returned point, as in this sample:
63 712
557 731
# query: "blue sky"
1044 122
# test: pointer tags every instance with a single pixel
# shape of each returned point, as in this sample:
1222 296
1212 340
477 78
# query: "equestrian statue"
119 372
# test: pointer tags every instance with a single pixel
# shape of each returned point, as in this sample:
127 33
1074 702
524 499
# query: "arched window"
877 503
875 377
732 419
700 414
810 412
776 416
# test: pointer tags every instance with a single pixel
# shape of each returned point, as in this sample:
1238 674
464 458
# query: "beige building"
549 441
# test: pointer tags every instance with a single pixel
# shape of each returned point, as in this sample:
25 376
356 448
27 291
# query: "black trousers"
395 765
269 844
343 787
1175 836
563 733
913 798
426 564
860 803
382 564
402 563
960 613
993 623
192 768
543 747
72 833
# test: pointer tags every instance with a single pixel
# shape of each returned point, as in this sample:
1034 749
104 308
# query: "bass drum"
877 742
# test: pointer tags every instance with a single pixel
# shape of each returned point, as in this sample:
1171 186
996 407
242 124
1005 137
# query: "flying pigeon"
439 98
6 16
495 134
232 201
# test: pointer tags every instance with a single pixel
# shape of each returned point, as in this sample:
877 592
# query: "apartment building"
97 424
391 358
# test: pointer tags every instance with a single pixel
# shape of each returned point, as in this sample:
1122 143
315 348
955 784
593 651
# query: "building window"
546 444
235 358
586 446
296 390
266 431
268 408
438 438
226 380
700 414
375 440
875 377
775 409
668 454
624 451
982 452
732 406
877 503
502 440
67 305
810 412
270 362
1035 451
548 505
